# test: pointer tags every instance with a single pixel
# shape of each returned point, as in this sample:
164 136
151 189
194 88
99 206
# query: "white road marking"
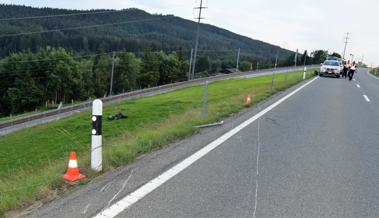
358 86
144 190
366 98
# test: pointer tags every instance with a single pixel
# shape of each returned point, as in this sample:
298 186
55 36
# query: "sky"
292 24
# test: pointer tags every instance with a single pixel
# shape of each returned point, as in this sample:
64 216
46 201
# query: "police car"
331 68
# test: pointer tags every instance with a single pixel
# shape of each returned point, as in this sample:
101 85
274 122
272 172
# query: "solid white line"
141 192
358 86
366 98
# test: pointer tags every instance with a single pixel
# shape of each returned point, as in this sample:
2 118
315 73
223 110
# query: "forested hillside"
164 32
52 56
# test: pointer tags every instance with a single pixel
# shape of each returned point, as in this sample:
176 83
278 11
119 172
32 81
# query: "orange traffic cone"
248 100
73 173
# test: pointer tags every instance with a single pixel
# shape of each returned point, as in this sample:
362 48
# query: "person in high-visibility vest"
345 69
352 70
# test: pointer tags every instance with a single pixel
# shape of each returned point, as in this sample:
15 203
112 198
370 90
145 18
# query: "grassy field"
375 72
33 160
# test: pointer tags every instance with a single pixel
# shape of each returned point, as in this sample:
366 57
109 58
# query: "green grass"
33 160
375 72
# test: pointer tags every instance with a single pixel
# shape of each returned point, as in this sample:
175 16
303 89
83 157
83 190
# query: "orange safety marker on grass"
73 173
248 100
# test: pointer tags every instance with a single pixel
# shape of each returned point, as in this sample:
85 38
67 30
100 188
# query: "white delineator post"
96 140
305 73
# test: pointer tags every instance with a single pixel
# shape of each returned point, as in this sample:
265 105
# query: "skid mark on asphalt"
86 209
105 187
121 189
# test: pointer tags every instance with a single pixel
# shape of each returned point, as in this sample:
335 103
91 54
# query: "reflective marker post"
305 73
96 140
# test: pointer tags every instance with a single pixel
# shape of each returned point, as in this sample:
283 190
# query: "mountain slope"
164 32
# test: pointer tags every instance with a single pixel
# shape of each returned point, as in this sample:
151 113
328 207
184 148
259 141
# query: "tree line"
30 80
48 77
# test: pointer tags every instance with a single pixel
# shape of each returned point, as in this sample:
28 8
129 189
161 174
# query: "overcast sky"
292 24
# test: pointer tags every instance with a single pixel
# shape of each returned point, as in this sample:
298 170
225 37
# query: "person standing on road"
352 70
345 69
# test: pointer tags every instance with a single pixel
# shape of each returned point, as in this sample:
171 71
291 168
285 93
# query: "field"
33 160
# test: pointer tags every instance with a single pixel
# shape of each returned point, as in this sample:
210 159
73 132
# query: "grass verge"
33 160
375 72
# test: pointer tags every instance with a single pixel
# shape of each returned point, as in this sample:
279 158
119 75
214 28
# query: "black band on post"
96 125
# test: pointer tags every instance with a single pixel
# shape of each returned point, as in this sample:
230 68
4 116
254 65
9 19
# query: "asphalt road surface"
316 154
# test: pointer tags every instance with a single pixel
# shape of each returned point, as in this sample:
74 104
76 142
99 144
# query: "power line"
2 62
60 15
78 27
42 60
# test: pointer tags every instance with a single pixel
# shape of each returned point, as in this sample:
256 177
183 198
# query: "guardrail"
137 93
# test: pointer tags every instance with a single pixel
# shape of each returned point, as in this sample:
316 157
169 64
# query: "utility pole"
238 59
276 59
273 72
190 65
199 18
111 81
346 42
305 68
305 60
297 51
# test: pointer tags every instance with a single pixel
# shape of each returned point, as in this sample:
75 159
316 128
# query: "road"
9 126
313 153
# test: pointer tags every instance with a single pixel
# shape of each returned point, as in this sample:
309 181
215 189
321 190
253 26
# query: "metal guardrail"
137 93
